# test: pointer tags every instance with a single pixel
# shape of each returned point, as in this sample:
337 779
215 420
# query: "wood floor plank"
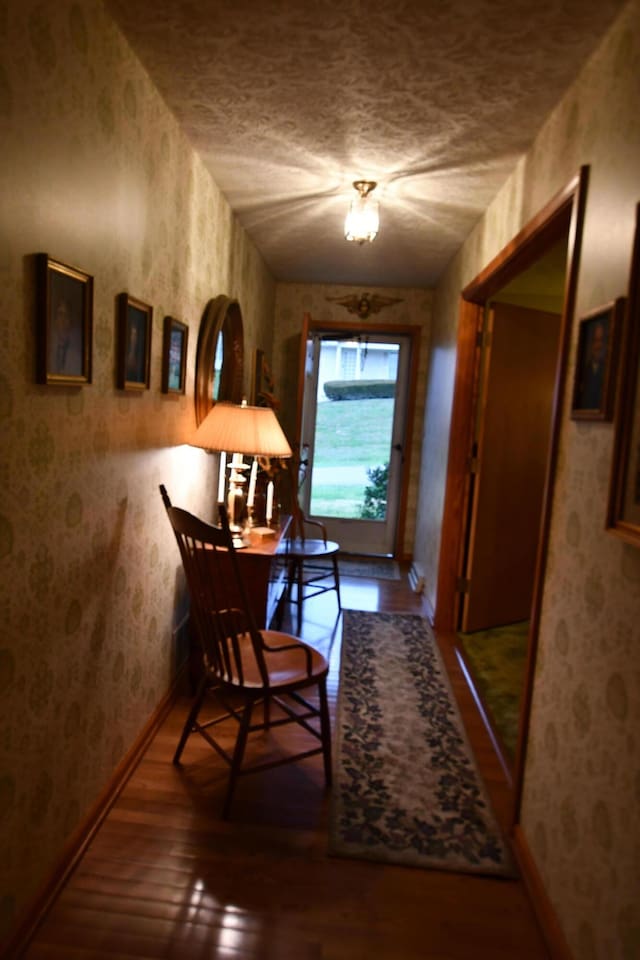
166 877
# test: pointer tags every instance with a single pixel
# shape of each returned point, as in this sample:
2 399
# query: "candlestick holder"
250 522
235 499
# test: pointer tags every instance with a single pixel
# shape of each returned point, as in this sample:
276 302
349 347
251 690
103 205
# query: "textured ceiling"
289 101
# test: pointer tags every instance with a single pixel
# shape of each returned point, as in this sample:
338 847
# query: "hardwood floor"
165 877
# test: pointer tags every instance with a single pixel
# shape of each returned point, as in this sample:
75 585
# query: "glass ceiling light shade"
242 429
362 220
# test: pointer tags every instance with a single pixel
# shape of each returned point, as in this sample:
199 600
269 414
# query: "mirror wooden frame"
222 317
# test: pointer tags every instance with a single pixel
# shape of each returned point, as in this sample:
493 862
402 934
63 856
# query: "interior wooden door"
513 437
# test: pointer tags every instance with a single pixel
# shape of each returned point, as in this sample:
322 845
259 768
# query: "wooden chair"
312 561
244 666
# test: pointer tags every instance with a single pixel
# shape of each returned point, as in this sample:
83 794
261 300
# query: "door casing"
564 214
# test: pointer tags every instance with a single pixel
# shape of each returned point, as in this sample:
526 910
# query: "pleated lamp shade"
242 429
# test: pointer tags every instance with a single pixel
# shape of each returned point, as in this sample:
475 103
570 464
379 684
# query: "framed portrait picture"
623 517
258 367
596 362
134 343
64 322
263 386
174 355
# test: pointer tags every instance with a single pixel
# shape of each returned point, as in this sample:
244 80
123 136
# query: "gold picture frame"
64 323
134 343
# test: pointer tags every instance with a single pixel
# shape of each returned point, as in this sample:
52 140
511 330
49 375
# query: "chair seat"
308 549
285 667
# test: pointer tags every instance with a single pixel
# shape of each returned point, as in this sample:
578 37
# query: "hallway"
165 877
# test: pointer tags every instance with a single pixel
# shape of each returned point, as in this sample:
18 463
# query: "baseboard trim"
427 608
416 578
74 848
538 897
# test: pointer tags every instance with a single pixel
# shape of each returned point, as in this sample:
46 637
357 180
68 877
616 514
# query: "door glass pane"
354 422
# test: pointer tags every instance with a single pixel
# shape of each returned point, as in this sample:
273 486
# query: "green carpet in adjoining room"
497 660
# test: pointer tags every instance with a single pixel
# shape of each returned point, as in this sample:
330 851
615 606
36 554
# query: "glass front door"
352 436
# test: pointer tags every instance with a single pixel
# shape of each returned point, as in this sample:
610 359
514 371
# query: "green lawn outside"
353 432
337 500
349 433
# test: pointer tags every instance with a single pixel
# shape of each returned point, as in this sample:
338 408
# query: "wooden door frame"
412 332
563 214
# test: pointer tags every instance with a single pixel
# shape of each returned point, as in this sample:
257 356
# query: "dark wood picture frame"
64 323
134 343
174 355
258 366
596 362
263 386
623 515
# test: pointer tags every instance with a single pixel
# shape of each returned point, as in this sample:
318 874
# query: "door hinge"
463 584
483 338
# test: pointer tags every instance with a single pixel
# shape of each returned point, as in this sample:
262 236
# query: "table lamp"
254 431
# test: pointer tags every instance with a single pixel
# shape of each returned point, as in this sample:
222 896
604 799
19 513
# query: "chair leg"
294 578
325 730
291 576
336 574
191 718
300 591
279 611
238 754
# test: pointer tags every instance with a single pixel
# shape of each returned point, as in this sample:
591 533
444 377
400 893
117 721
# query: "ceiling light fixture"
362 221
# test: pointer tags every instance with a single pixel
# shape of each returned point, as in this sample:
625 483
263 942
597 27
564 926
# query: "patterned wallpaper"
87 561
96 173
582 786
293 300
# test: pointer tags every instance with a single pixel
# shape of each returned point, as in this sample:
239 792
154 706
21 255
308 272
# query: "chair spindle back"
219 605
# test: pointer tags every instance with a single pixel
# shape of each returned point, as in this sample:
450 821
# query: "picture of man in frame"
592 364
592 374
135 364
66 333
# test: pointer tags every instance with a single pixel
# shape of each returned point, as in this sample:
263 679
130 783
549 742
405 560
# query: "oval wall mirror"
220 356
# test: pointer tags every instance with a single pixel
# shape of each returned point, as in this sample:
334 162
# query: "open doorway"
561 218
518 357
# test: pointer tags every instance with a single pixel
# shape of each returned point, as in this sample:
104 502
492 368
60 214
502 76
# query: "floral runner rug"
406 787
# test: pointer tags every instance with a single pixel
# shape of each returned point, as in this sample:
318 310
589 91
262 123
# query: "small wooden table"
263 566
